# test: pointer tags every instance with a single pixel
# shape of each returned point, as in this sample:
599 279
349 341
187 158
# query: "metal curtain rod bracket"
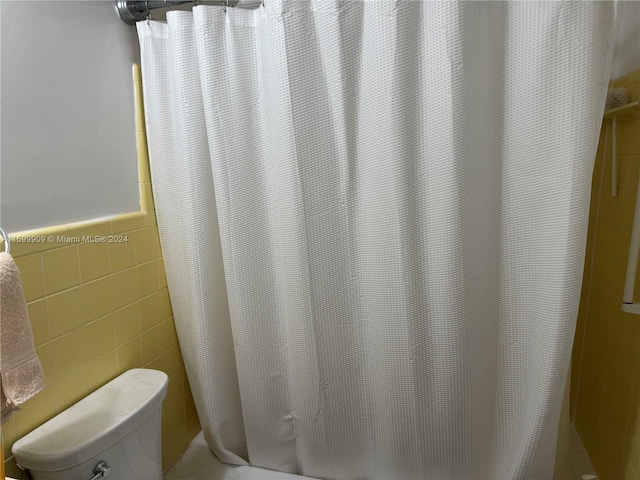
132 11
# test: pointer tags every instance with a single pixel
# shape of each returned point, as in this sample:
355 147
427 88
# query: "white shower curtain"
373 218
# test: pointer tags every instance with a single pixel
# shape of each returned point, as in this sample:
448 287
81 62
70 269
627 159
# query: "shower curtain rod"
132 11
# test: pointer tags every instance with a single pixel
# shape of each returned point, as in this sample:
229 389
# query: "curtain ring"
148 10
168 5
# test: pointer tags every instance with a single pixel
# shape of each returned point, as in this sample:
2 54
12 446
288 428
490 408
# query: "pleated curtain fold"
373 219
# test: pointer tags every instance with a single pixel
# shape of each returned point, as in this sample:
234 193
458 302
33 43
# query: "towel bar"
628 305
5 239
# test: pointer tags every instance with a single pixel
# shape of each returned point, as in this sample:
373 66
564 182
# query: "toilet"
115 432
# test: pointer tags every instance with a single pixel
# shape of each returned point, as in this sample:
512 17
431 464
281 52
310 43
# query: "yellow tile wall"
606 359
98 309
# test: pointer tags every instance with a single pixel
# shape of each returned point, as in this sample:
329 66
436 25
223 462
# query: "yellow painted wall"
98 309
606 357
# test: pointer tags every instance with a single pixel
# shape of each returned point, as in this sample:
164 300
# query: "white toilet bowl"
115 430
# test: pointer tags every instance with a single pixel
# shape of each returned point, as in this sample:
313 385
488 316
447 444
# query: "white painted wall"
68 149
626 56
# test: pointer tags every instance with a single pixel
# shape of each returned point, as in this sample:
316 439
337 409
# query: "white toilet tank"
119 424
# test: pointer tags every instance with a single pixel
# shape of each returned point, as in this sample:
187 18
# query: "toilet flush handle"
101 470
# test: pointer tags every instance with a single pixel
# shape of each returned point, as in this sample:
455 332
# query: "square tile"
36 411
193 427
61 269
173 360
31 276
103 370
39 321
68 354
151 343
65 311
151 311
125 288
174 434
147 244
169 334
44 355
127 323
122 254
174 391
101 337
97 298
94 260
148 280
72 389
128 355
9 435
162 273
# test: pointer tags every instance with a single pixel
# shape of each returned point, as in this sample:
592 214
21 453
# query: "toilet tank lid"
95 423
